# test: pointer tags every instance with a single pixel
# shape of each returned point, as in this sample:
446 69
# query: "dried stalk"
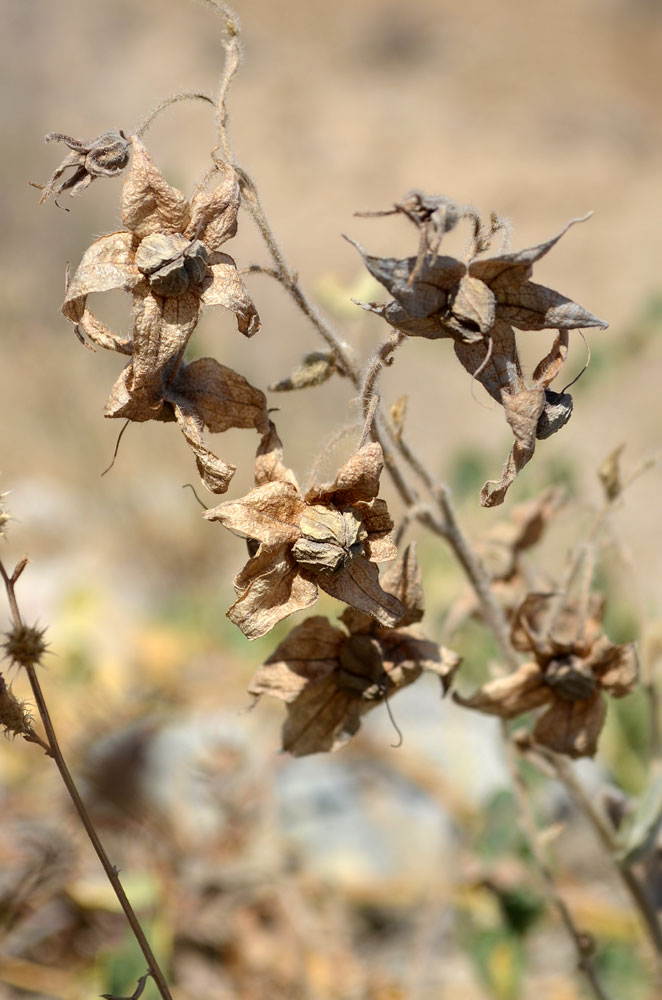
583 943
54 751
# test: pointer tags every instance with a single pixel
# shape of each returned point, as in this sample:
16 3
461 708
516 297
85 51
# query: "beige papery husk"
330 676
476 305
169 258
571 668
331 537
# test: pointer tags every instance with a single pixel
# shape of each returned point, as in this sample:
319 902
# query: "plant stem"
55 752
583 942
606 835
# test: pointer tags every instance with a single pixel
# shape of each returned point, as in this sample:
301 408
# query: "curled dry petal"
323 719
213 216
215 474
270 513
269 465
572 727
404 580
359 586
309 653
522 413
220 396
106 264
509 696
496 366
357 479
269 588
225 288
615 666
149 204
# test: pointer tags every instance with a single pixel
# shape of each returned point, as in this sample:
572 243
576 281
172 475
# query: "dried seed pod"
571 678
171 263
105 156
330 540
314 369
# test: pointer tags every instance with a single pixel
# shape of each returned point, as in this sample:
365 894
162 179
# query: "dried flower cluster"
476 305
170 258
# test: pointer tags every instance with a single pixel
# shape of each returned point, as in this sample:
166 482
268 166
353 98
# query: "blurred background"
374 873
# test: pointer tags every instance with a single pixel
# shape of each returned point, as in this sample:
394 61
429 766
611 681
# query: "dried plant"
170 256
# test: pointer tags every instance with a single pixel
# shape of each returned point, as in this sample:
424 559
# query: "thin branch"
186 95
60 762
607 836
583 942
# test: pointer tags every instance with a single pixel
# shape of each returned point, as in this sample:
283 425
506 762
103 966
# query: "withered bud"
24 645
171 263
555 415
437 213
15 720
105 156
362 668
609 474
314 369
571 678
330 539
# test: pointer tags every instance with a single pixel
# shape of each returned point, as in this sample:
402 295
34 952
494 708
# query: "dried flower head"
570 671
25 645
477 304
15 719
331 537
169 257
330 677
105 156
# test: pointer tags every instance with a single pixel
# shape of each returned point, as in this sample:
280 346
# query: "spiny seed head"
15 720
24 645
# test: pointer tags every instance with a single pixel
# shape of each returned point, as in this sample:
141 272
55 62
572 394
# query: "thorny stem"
583 943
55 752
